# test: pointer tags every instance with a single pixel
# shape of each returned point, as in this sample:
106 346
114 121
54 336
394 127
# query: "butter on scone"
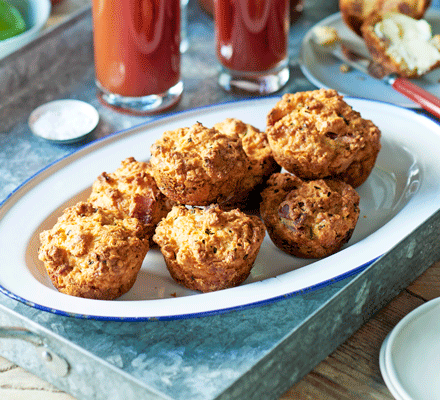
208 249
92 253
401 44
309 219
198 165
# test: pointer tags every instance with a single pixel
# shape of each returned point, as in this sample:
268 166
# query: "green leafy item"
11 21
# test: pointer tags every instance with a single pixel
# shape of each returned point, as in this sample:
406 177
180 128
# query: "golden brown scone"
355 12
262 164
209 249
400 44
198 165
309 219
131 192
91 253
316 134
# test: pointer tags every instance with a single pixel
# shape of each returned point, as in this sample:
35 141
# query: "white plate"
323 69
411 353
384 371
402 191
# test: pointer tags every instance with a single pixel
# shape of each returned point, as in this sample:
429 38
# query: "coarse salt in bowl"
63 121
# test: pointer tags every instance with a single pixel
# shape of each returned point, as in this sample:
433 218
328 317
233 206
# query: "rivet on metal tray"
45 355
53 361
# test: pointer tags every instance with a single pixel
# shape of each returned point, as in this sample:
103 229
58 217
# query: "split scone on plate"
261 162
92 253
131 192
208 249
401 45
309 219
316 134
198 165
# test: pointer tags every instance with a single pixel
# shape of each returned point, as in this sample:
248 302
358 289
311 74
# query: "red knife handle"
426 100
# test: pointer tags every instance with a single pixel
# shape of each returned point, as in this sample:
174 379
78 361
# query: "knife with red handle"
426 100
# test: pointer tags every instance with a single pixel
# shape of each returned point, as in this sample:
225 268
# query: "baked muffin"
131 192
355 12
309 219
316 134
198 165
209 249
401 45
261 162
92 253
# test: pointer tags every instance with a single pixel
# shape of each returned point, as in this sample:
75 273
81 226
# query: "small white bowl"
35 13
63 121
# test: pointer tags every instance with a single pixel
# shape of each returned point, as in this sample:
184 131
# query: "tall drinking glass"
137 53
252 44
184 42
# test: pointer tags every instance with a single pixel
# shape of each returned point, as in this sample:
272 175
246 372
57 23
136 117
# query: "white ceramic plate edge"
383 369
398 376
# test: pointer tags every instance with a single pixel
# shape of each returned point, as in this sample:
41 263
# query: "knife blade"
344 52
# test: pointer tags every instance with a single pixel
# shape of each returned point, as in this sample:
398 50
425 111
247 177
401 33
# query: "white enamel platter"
402 191
323 69
409 356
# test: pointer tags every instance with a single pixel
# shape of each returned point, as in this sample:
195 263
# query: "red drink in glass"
137 54
252 44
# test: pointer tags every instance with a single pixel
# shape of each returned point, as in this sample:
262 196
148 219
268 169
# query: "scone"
316 134
309 219
401 45
91 253
261 162
198 165
209 249
355 12
131 192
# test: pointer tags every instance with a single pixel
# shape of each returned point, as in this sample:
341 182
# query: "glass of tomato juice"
137 54
252 44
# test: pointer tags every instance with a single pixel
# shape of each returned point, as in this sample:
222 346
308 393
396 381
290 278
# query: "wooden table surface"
351 372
